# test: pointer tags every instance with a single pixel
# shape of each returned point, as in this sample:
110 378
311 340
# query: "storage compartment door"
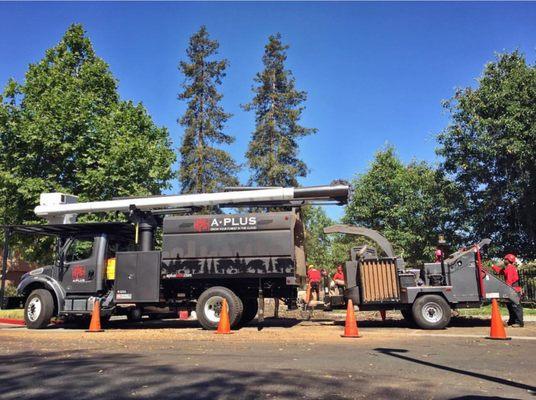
137 277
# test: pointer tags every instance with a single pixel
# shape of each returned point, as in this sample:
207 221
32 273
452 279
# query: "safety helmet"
510 258
311 266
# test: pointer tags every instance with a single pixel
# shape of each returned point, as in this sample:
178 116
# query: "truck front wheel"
431 312
209 306
38 309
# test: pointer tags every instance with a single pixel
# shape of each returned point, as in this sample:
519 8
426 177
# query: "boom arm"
280 196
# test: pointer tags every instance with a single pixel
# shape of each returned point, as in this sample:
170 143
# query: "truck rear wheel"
38 309
431 312
251 307
210 303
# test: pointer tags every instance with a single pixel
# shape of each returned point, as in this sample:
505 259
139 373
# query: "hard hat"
510 258
311 266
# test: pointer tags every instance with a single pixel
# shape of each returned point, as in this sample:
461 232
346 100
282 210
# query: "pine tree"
273 150
204 167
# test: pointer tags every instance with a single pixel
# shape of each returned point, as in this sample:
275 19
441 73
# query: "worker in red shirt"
338 279
511 278
314 277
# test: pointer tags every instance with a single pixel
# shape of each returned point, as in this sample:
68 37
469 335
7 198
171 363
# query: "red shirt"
510 275
338 276
313 275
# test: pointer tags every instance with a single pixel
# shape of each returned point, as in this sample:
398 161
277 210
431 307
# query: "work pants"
516 313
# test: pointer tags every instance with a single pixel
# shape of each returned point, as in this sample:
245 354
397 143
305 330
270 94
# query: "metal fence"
527 279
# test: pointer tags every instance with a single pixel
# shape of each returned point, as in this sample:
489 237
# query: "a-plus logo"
78 273
201 225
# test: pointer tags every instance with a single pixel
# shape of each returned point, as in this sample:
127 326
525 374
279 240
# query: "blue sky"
375 73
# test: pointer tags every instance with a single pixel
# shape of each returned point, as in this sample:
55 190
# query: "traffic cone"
382 314
497 331
224 326
350 326
95 325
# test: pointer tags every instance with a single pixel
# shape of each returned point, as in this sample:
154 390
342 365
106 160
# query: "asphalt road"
288 359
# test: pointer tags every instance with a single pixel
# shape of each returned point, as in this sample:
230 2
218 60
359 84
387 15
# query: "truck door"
83 264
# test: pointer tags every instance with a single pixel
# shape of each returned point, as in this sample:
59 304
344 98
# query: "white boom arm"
51 209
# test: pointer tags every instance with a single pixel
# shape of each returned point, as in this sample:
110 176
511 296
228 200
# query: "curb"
12 321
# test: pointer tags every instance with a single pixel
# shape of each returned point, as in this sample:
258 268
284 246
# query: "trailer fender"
413 292
32 282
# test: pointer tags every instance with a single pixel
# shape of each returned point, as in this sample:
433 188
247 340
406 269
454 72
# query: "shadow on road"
81 376
176 324
398 353
400 323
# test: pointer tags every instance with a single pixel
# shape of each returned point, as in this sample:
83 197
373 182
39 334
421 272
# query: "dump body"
233 246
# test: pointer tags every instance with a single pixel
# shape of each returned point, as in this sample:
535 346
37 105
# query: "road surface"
287 359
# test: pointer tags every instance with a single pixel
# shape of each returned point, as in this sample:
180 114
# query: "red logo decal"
78 272
201 225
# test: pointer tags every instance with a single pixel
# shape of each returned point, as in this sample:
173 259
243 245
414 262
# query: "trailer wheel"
251 307
209 305
431 312
38 309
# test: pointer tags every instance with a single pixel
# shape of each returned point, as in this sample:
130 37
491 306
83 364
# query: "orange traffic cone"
95 325
350 326
497 331
382 314
224 326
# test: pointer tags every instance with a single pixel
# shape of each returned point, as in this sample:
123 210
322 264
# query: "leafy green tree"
317 243
489 148
409 204
273 150
65 129
204 167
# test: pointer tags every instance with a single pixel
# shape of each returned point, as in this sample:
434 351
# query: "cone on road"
382 314
350 326
497 331
95 324
224 326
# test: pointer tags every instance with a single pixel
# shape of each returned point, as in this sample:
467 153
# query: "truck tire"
209 306
431 312
251 307
38 309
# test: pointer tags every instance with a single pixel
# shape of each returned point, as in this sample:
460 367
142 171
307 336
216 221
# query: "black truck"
203 259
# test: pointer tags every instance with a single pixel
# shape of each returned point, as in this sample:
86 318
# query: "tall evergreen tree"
273 150
204 167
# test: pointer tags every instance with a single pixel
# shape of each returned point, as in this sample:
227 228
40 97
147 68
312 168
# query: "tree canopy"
409 204
65 129
489 149
273 150
204 167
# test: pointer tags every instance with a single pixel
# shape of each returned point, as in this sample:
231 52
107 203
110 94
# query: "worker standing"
338 278
314 277
511 277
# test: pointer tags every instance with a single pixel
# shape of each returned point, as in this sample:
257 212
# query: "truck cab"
81 271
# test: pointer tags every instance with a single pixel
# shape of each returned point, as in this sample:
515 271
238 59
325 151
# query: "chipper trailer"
203 259
376 279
